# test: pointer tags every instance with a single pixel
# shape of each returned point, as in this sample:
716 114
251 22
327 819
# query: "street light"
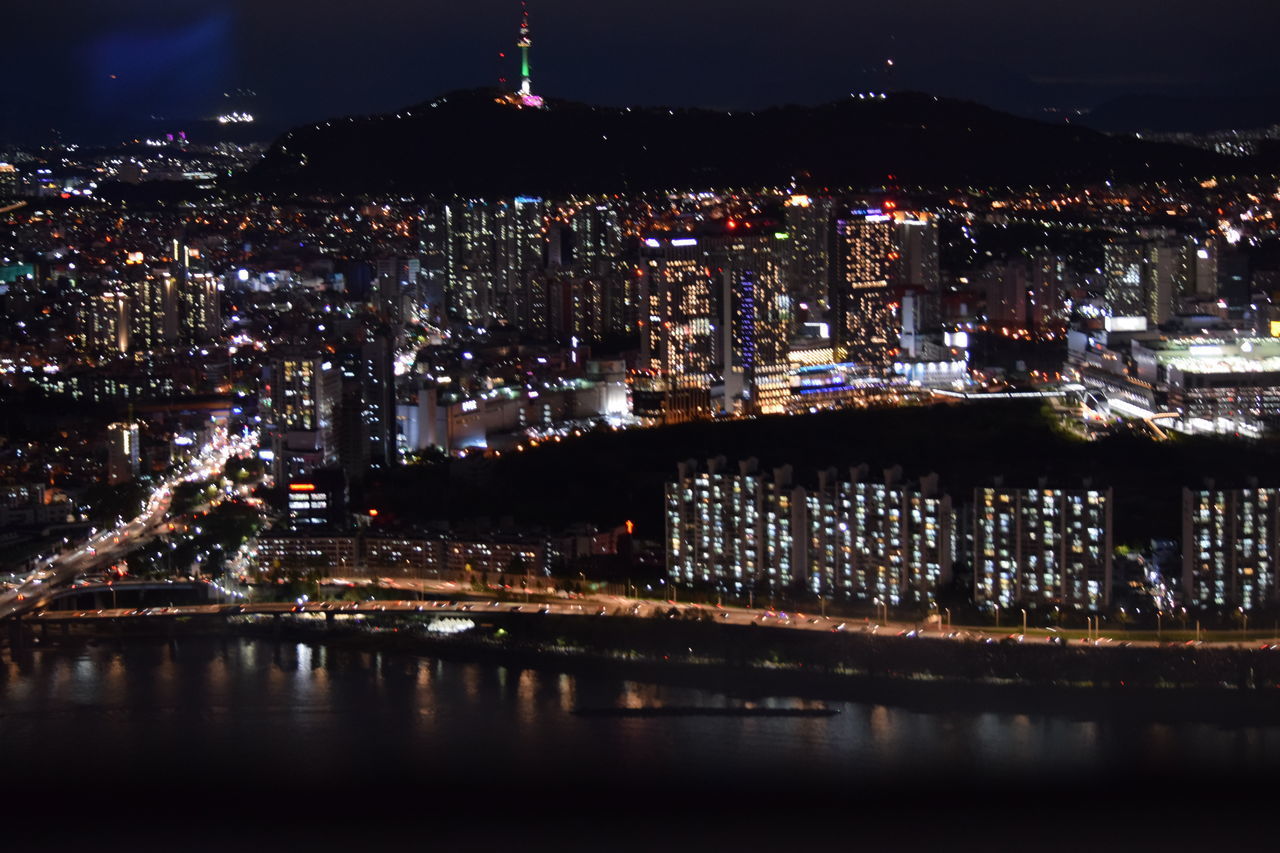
1024 621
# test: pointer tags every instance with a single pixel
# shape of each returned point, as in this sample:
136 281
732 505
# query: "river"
233 721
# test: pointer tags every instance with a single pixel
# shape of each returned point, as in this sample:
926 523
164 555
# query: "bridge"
988 396
88 596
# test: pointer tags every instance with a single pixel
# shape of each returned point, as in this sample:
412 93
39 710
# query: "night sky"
309 59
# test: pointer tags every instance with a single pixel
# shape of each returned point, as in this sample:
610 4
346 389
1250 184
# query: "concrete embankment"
1143 681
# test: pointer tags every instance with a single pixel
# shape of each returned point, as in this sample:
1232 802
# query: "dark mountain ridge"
466 144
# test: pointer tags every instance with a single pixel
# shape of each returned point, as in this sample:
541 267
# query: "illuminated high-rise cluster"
716 318
854 539
1042 546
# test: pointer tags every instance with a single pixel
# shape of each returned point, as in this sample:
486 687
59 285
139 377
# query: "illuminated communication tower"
526 86
525 96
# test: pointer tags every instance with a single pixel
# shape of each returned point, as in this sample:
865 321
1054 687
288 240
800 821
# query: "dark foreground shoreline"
1248 698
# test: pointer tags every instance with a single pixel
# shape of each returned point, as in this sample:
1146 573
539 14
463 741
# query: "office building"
301 393
865 256
678 330
808 221
756 318
716 317
123 453
1123 265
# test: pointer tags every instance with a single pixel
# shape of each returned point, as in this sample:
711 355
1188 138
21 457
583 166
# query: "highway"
595 607
53 572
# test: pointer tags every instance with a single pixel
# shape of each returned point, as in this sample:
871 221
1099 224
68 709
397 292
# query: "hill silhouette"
465 143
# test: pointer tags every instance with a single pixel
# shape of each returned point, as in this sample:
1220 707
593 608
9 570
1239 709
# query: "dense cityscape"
914 416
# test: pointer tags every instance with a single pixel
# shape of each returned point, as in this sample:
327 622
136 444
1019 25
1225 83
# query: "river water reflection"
198 709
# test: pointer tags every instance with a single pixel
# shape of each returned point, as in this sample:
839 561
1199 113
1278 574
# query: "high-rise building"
1235 278
717 314
301 393
851 539
1202 272
123 456
196 299
888 540
920 265
1161 288
398 296
734 530
1149 279
490 247
8 180
377 398
153 309
103 320
597 238
1047 297
1042 547
678 330
1229 542
808 222
865 263
471 260
756 318
1122 269
200 313
1007 283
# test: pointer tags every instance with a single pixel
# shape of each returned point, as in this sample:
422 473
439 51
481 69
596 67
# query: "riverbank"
1227 685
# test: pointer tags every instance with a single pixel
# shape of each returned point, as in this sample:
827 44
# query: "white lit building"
1229 541
1042 547
851 539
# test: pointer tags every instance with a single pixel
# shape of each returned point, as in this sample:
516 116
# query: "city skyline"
400 443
